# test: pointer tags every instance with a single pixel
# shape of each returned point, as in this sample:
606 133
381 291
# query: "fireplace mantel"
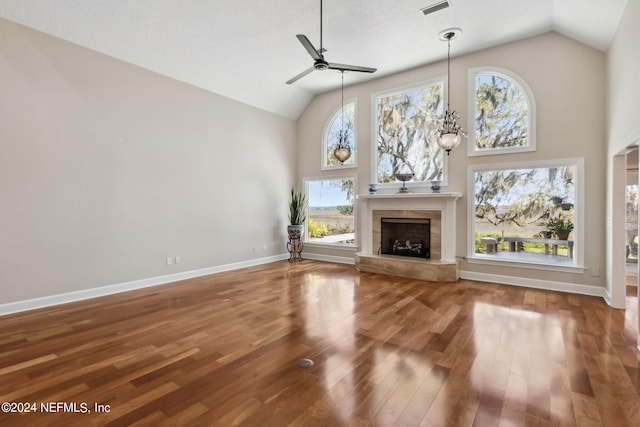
443 203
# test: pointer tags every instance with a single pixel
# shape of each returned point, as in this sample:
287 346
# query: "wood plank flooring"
221 350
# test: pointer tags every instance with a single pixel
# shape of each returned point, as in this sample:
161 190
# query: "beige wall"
106 169
623 81
623 130
568 81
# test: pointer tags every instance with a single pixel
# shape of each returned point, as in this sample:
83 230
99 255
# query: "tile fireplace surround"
439 207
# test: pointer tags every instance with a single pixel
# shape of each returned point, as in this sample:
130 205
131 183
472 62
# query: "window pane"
407 130
631 223
331 216
502 111
523 210
337 123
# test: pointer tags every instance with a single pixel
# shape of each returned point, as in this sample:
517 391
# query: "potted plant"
297 214
560 227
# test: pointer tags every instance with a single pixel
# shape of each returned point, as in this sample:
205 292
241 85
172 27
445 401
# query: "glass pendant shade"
449 141
342 154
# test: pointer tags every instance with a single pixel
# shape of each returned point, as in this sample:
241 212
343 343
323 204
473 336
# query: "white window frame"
325 138
516 80
305 239
374 139
578 231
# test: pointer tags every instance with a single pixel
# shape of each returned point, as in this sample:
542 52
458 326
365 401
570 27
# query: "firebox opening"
406 237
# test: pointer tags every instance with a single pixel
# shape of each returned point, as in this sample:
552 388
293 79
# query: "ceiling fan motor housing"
320 64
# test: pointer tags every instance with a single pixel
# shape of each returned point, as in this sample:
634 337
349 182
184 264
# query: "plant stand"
294 246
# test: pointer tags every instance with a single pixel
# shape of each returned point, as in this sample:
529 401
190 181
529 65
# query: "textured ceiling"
247 49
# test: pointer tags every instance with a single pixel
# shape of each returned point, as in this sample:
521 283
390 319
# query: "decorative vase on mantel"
436 185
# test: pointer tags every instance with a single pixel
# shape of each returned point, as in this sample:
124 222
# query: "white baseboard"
52 300
329 258
536 283
48 301
607 297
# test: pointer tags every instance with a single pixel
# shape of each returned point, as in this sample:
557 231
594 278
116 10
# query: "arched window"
336 123
503 111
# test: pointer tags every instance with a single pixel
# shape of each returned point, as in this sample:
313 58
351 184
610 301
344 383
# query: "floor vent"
304 363
436 7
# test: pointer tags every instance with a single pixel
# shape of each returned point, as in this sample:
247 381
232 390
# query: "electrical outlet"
169 260
264 247
178 260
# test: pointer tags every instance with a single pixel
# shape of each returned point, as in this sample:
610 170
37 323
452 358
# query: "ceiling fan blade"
344 67
307 45
301 75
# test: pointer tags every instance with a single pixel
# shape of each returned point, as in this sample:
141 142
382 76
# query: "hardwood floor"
221 350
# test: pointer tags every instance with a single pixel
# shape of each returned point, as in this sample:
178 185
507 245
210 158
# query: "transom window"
527 213
332 132
503 109
406 128
330 219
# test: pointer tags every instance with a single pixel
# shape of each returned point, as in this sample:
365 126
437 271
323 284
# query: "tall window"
332 132
527 213
406 129
631 223
331 211
503 110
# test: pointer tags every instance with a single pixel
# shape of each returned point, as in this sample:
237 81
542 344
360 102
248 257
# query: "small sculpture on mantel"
404 177
404 174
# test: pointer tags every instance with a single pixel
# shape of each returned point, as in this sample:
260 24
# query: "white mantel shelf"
409 195
443 202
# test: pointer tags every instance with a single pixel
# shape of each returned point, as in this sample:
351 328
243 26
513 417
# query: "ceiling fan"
319 63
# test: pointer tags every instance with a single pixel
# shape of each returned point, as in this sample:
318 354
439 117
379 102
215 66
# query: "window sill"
488 260
339 167
352 248
474 152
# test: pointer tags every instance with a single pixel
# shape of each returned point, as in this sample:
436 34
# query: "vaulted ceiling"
247 49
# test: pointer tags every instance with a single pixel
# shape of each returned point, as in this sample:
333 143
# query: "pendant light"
450 132
343 150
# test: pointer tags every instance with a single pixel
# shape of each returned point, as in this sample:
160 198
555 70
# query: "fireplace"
438 209
409 237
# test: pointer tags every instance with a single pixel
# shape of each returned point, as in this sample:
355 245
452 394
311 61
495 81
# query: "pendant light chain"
342 99
448 70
